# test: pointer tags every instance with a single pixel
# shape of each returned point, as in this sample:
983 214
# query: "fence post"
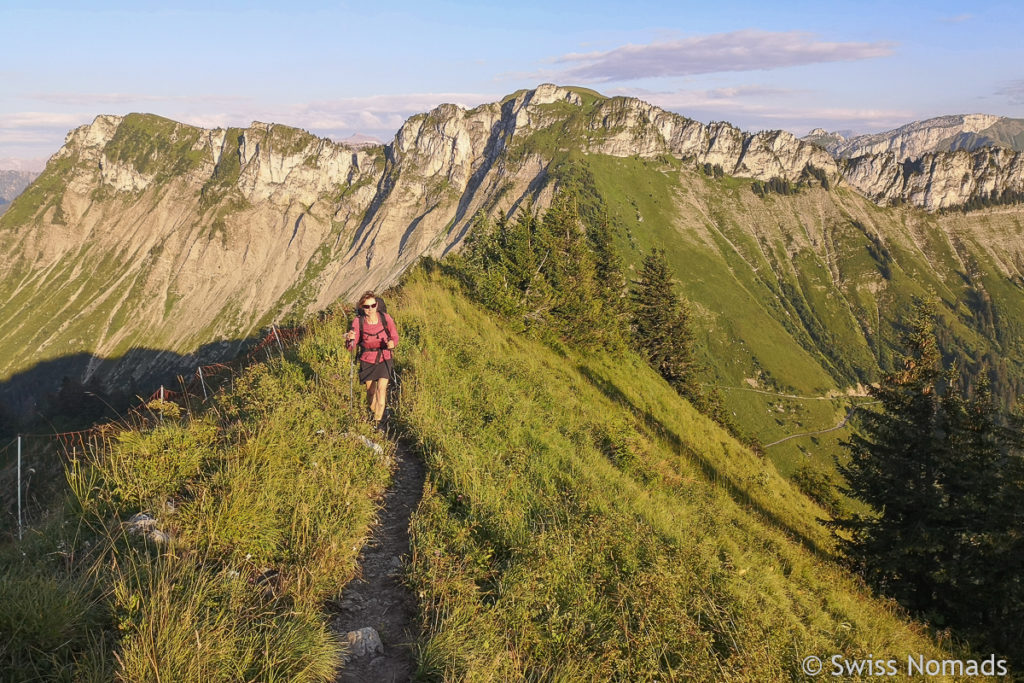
184 394
19 487
278 338
202 383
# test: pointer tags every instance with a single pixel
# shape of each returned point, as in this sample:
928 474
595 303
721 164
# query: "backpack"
382 311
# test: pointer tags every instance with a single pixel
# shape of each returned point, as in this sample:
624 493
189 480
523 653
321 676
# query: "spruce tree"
979 570
485 271
893 466
610 279
941 472
556 272
572 273
661 330
529 251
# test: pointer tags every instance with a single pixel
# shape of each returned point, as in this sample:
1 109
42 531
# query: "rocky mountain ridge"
940 134
144 232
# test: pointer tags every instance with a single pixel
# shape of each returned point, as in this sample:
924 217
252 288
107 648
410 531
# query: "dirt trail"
378 598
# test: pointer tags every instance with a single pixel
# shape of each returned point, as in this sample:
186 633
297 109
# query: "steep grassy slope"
801 295
582 522
258 506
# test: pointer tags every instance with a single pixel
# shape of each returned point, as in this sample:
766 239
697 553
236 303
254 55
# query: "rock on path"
377 599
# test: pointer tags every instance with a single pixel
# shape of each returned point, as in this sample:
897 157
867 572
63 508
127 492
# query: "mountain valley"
143 233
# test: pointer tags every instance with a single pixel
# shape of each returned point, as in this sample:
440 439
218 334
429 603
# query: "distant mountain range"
13 183
150 246
20 164
941 134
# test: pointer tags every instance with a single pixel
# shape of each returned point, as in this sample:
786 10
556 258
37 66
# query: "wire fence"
208 379
200 387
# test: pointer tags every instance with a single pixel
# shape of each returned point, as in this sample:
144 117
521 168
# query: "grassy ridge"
804 293
266 499
582 522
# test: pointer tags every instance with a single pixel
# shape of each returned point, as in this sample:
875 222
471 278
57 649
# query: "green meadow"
580 521
263 498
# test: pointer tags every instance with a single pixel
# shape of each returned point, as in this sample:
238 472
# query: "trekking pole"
19 487
351 383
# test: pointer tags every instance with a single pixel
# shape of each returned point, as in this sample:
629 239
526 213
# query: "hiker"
374 334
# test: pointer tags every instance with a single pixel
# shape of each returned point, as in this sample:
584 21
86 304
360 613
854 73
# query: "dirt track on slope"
377 597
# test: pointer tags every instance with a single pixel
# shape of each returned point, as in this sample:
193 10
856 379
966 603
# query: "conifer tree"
942 475
610 278
557 271
981 562
484 270
893 466
528 252
572 273
660 326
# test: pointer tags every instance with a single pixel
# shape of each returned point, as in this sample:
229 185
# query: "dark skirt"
369 372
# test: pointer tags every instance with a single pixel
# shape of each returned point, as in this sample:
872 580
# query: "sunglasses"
369 306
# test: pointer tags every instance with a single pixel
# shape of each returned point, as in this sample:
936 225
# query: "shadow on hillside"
80 389
609 389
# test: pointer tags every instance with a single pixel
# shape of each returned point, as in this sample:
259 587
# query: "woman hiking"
374 334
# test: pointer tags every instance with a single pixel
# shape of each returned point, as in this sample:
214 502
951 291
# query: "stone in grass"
362 642
143 524
158 536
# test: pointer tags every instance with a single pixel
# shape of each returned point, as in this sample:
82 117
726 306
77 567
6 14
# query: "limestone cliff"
144 232
910 164
939 179
939 134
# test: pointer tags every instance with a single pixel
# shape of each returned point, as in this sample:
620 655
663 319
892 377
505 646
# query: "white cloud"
378 115
754 107
958 19
748 50
14 164
42 119
108 98
34 134
1013 91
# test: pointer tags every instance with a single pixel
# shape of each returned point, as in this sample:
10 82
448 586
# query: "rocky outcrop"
151 233
939 180
941 134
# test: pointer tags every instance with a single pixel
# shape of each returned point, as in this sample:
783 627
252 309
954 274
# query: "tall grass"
582 522
265 499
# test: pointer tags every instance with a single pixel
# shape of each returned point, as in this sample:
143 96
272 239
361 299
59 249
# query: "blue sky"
340 68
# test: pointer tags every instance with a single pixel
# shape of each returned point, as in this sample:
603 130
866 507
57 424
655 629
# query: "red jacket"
373 337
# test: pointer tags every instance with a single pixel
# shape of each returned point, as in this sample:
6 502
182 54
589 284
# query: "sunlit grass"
265 500
582 522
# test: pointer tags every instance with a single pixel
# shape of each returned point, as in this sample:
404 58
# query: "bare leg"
380 396
370 394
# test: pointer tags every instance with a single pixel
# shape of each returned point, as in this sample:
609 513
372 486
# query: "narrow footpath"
377 597
842 423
